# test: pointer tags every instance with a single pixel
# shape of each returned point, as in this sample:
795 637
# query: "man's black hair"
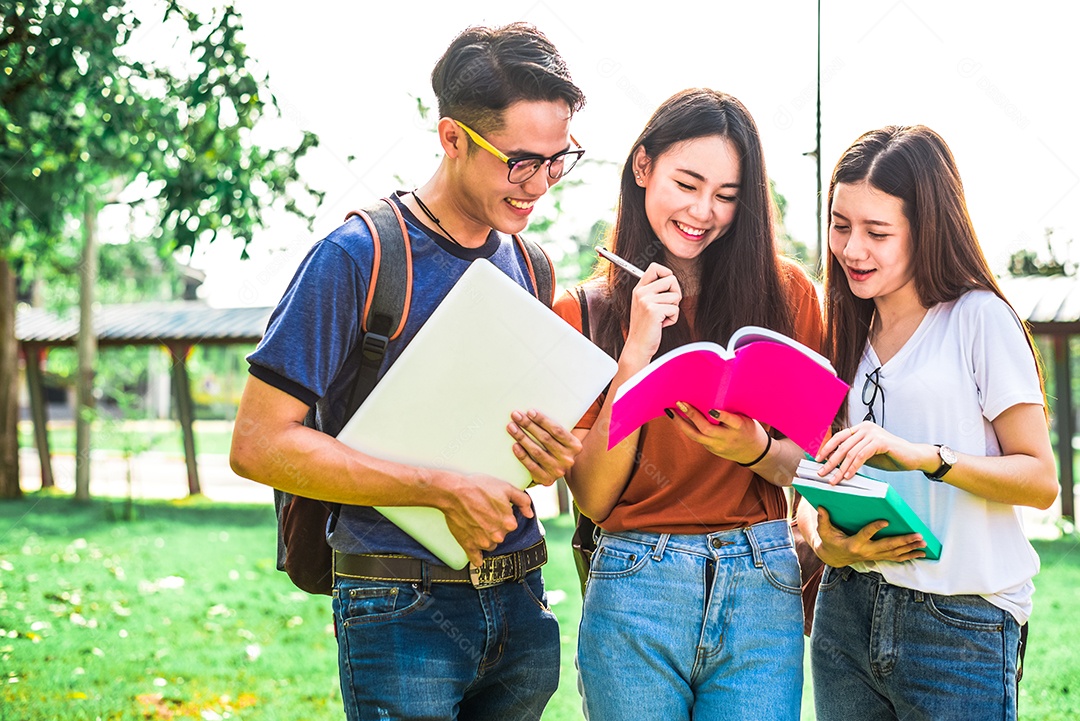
485 70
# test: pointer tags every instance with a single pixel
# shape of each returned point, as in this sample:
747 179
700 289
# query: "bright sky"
1001 83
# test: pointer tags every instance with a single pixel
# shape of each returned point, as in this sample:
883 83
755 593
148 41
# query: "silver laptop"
488 349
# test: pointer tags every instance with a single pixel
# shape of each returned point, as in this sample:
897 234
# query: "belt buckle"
481 578
492 572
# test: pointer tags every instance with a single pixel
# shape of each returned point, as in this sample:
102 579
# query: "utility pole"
817 148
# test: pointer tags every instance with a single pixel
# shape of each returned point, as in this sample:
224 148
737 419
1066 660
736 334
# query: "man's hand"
544 447
480 511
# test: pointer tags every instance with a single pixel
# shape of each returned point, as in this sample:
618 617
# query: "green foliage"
217 372
83 119
127 273
1027 262
788 245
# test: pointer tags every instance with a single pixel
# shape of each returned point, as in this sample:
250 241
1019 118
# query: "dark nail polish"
714 414
670 413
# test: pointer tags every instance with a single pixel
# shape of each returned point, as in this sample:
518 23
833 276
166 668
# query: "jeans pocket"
616 558
973 613
831 577
781 568
533 583
364 602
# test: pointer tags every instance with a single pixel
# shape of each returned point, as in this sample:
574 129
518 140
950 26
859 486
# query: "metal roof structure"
146 324
1051 304
175 324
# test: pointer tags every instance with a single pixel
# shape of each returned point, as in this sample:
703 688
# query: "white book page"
753 334
859 485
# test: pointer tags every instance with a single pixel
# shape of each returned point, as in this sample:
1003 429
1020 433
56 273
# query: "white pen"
624 264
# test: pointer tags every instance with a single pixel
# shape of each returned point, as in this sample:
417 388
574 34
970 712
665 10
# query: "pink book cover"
766 376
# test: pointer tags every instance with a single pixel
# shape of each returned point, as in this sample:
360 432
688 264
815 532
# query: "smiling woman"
691 193
871 235
683 502
912 307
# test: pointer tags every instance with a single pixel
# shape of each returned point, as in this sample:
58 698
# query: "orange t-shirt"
677 486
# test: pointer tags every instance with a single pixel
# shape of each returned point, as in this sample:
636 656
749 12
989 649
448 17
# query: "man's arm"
271 445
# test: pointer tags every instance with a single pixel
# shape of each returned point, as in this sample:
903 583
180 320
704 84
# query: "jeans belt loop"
661 546
754 548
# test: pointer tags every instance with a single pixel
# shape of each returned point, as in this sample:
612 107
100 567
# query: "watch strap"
941 470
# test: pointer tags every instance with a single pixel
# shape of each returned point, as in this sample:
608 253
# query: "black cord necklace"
433 219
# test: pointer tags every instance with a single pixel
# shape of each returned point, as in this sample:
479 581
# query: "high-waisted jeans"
885 652
706 626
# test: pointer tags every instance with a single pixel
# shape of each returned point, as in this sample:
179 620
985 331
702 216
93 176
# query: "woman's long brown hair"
914 164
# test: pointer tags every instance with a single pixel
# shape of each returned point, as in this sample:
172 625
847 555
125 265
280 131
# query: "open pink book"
762 374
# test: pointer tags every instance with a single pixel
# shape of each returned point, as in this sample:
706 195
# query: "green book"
857 501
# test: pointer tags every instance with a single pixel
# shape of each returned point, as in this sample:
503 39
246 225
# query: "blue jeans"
703 626
884 652
448 652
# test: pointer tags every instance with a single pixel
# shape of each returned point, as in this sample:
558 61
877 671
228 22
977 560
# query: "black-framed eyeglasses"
523 167
872 388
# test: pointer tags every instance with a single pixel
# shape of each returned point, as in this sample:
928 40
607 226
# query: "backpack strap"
389 295
583 301
582 294
586 294
385 311
541 272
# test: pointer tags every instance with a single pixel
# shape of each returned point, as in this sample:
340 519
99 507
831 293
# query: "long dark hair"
741 278
914 164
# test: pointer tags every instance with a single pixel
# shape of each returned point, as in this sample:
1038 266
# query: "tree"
84 122
1027 262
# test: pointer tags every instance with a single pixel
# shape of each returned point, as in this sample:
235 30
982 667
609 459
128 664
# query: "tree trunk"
87 350
9 387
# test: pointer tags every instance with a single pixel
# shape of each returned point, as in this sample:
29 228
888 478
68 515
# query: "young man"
426 643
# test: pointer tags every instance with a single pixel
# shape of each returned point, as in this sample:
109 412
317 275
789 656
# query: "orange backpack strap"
389 294
302 522
541 272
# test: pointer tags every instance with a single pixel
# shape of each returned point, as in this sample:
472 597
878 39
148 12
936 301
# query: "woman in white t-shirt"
947 400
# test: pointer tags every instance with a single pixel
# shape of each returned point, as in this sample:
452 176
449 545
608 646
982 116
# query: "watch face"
947 455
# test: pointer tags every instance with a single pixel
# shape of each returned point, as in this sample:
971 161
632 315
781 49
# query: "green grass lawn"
179 614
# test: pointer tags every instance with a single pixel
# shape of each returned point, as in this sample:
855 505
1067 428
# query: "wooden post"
1063 410
35 354
186 411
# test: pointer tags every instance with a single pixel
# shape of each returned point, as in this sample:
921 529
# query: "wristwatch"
948 458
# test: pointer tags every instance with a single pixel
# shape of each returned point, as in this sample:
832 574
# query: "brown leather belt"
405 569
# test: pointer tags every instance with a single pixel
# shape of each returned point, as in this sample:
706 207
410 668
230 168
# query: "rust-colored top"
679 487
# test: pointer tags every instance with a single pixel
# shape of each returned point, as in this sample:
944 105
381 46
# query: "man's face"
484 193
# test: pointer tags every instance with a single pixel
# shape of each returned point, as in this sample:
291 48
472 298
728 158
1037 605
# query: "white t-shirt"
967 362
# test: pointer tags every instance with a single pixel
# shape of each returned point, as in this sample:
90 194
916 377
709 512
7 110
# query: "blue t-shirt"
306 349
